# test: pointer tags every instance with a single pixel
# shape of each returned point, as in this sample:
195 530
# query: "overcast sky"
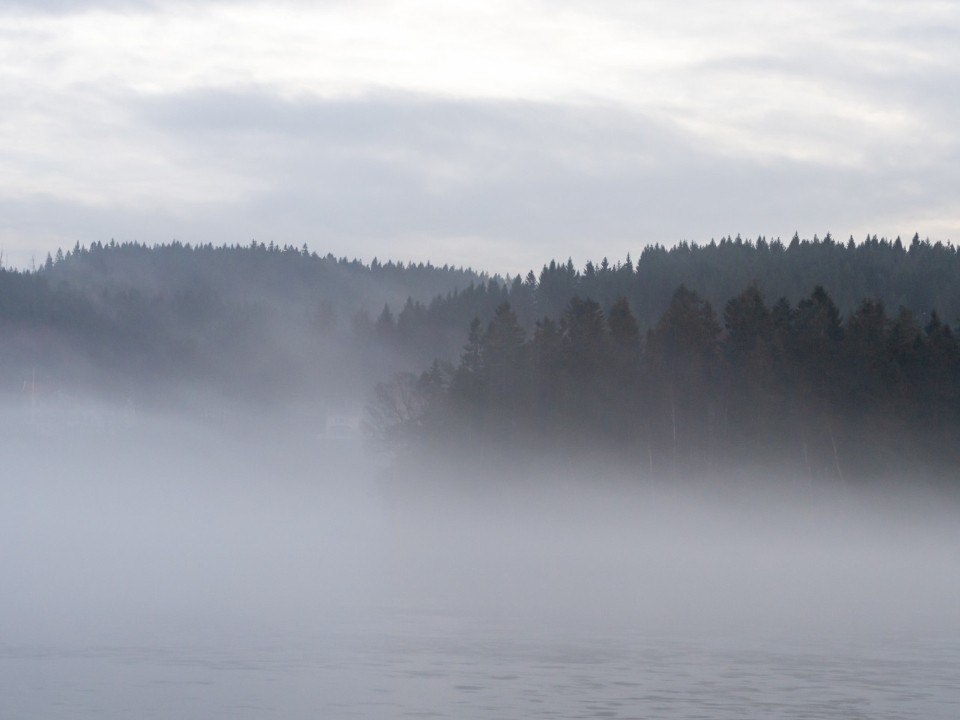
497 134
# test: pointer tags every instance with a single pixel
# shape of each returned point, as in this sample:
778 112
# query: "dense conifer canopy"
840 358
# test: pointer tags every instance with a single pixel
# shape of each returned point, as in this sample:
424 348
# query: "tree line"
274 323
918 275
797 386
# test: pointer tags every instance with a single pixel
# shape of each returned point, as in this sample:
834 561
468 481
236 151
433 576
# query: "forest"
166 324
838 359
787 387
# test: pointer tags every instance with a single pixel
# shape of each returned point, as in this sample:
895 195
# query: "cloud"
497 135
75 7
500 185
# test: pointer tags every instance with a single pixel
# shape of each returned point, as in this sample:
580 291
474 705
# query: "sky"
495 134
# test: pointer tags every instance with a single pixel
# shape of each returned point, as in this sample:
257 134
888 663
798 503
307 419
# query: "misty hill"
277 325
257 321
283 277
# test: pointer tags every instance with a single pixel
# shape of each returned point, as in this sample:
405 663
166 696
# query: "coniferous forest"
837 360
758 386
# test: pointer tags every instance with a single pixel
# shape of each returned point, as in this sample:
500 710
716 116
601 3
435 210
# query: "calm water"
414 666
186 578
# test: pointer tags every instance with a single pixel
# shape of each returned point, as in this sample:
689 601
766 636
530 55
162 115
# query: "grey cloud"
72 7
537 180
548 181
928 33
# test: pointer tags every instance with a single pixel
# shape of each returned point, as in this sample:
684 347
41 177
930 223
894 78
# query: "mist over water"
171 568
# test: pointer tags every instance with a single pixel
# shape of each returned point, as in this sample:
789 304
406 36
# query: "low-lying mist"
169 530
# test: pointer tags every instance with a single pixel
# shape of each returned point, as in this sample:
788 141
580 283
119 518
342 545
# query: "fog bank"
173 531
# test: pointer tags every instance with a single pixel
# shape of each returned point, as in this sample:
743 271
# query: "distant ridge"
278 322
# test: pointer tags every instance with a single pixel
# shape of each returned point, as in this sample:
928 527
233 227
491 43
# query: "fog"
171 534
174 524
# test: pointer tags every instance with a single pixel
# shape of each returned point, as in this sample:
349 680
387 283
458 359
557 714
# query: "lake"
187 575
408 666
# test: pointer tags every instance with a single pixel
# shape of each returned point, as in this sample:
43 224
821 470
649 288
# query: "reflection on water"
410 666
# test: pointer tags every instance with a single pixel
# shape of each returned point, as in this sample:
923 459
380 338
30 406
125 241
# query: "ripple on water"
355 676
